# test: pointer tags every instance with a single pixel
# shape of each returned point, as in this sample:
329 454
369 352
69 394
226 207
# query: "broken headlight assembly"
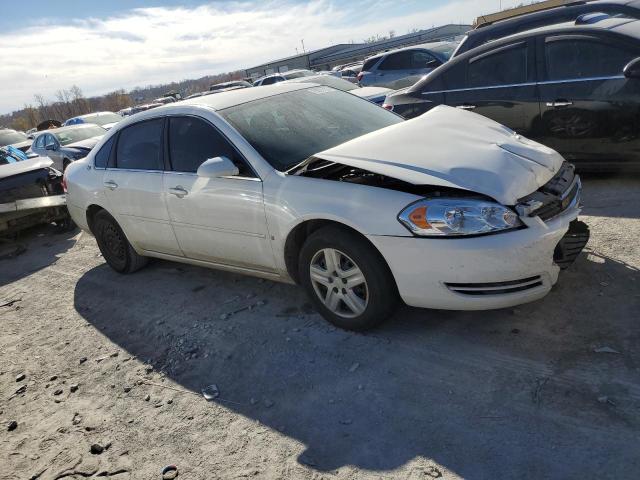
451 217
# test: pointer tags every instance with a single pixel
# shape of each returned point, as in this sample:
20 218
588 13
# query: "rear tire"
347 279
114 246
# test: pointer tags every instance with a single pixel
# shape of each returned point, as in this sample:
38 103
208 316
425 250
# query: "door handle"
466 107
111 185
559 103
178 191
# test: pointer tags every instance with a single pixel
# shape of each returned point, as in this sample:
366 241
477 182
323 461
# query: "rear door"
220 220
590 112
394 69
499 84
133 187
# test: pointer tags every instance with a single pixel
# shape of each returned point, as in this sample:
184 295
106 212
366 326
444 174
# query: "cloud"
156 45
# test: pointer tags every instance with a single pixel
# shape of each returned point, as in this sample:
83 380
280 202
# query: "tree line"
71 102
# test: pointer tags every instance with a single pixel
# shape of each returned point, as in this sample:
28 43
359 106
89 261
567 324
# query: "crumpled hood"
87 143
24 166
450 147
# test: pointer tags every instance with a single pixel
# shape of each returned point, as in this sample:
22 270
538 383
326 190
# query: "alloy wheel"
339 283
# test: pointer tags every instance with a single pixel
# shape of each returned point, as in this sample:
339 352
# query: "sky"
48 45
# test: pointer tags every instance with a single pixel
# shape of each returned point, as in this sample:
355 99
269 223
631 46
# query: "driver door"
218 220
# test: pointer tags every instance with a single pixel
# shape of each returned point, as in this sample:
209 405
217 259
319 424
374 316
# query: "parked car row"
573 86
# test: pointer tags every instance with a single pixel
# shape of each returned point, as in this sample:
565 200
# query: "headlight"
444 217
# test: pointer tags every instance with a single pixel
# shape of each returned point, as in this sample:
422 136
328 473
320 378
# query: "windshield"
331 81
445 50
102 118
65 137
291 127
8 137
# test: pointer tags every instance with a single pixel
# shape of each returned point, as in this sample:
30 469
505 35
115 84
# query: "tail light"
386 106
64 182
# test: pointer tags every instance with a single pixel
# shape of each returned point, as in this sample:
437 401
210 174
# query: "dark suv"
566 13
573 87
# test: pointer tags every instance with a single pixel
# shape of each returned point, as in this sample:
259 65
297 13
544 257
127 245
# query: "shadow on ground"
504 394
32 250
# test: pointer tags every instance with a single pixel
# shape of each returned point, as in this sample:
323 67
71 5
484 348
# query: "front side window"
102 157
291 127
398 61
421 59
50 141
140 146
505 66
580 58
192 141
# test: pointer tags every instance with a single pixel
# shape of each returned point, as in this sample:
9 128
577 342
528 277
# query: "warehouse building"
327 58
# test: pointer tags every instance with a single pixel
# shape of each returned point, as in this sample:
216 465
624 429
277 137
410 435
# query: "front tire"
114 246
347 280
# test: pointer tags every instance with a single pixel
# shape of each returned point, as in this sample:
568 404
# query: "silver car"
403 67
66 144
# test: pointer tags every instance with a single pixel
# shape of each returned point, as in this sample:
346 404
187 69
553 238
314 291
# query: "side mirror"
632 69
217 167
51 147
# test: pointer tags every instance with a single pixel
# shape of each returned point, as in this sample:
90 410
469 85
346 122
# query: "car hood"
24 146
371 92
449 147
24 166
87 143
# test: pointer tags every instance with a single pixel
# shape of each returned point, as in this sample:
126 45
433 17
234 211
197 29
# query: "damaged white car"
311 185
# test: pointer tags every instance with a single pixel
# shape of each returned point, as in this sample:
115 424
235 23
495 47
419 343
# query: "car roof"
592 22
78 126
426 46
550 11
231 98
93 114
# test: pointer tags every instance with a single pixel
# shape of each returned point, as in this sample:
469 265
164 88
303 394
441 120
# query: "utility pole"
302 41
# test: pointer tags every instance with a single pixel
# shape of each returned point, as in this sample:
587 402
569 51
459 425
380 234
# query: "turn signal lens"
419 218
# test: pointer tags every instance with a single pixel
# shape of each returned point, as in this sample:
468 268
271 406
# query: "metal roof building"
328 57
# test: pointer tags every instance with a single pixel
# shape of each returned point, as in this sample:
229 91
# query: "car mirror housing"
217 167
632 69
50 147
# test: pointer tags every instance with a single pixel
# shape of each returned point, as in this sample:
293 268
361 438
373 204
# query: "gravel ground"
116 364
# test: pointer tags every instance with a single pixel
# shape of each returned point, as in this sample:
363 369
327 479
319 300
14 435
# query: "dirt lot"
121 362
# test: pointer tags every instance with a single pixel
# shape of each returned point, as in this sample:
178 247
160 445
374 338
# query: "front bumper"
481 273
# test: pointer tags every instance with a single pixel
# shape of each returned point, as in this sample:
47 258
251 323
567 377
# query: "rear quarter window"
101 159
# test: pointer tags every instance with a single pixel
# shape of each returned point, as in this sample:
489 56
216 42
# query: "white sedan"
310 185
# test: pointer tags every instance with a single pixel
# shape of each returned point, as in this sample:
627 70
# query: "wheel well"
91 214
299 235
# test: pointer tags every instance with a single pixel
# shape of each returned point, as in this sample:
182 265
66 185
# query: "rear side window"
102 157
505 66
192 141
40 141
140 146
398 61
579 58
368 65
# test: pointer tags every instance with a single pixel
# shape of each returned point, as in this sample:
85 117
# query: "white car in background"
311 185
376 95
